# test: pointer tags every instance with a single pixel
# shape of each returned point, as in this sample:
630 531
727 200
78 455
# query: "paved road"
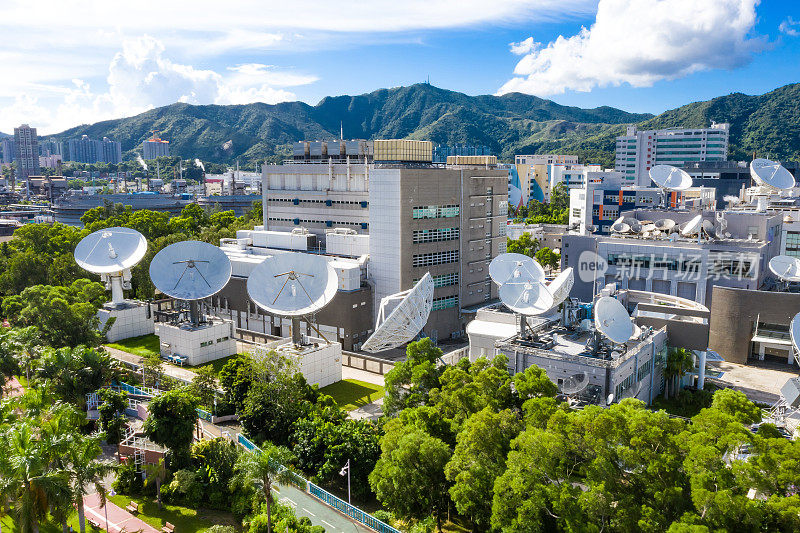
175 372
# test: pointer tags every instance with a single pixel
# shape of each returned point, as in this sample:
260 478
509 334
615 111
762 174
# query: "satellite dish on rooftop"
693 226
509 266
190 270
574 384
561 286
293 284
665 224
111 252
770 174
620 227
528 297
785 267
794 333
612 320
406 320
670 178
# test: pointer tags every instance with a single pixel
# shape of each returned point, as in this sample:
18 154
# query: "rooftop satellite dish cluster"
770 178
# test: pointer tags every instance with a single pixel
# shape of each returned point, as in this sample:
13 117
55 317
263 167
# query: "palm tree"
156 473
262 470
86 472
27 477
679 361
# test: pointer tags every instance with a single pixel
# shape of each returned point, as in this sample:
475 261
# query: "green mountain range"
509 124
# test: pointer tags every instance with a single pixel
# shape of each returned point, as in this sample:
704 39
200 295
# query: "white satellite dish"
665 224
649 227
785 267
632 391
620 227
528 297
612 320
111 252
693 226
636 226
770 174
508 266
406 320
794 333
190 270
561 286
708 228
574 384
293 285
670 178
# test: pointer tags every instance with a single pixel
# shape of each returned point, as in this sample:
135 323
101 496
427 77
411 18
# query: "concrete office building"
155 147
449 221
26 152
638 151
675 265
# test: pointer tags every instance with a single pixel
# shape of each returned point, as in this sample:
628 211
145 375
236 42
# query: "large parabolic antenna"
612 320
293 285
693 226
111 252
561 286
528 297
406 320
770 174
670 178
506 267
785 267
190 270
794 333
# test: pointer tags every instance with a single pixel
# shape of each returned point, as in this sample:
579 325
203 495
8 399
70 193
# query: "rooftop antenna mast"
341 131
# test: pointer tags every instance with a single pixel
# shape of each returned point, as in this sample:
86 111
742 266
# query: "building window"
435 235
435 258
435 211
445 302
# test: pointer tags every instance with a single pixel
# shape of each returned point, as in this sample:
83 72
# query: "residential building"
155 147
638 151
529 175
8 147
86 150
26 152
51 147
50 161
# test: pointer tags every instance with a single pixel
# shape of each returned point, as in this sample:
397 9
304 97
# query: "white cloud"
786 27
140 77
639 43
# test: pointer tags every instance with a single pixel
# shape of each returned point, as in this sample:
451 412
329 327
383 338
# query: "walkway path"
118 519
175 372
757 383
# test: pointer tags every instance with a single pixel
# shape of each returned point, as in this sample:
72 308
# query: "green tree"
204 385
548 259
155 474
525 245
263 470
76 372
152 369
679 361
112 417
172 420
86 472
736 404
409 382
479 458
409 477
236 377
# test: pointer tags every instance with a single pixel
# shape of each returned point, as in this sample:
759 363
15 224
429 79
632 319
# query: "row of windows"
435 258
435 235
435 211
298 201
444 280
444 302
328 223
645 369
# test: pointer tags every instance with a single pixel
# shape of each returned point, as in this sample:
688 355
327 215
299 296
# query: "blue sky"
109 60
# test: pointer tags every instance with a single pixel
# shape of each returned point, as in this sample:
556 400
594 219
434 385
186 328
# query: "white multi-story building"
638 151
546 159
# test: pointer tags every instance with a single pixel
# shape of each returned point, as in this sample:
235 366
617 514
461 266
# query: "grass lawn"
216 365
48 526
185 520
351 393
141 346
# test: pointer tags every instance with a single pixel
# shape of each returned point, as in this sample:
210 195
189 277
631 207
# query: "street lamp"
346 467
105 506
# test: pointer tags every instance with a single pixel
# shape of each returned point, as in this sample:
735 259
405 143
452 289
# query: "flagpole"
348 481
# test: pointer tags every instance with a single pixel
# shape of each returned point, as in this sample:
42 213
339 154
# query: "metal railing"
327 498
